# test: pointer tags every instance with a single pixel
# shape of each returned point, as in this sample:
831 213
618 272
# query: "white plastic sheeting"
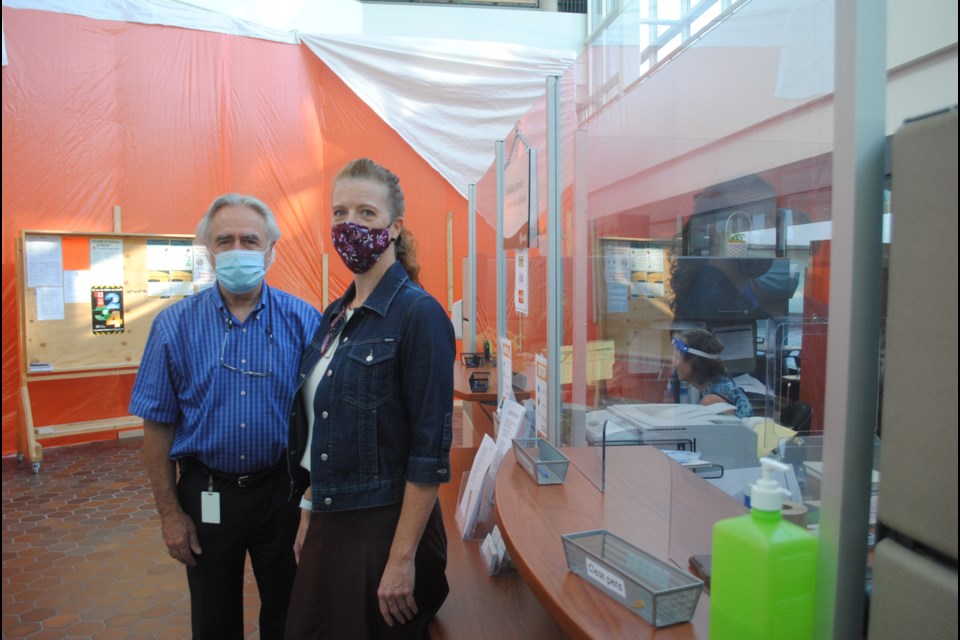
168 13
449 99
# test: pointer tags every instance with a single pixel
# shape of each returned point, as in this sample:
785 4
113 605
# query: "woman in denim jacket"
370 432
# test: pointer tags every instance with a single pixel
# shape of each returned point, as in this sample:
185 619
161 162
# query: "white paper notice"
618 297
181 255
541 391
618 261
50 303
521 300
106 261
203 273
654 260
184 288
169 268
76 287
511 416
471 493
157 252
44 255
505 364
638 259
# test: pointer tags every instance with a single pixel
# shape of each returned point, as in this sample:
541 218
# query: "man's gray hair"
237 200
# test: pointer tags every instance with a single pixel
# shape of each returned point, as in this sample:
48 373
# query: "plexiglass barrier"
694 193
690 158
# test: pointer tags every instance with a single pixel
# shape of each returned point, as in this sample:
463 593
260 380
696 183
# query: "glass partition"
701 200
693 193
512 260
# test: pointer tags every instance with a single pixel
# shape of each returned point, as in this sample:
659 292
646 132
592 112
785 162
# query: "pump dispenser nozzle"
766 494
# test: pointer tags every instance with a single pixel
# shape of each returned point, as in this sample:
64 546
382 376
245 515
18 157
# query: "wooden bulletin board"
136 281
87 301
631 292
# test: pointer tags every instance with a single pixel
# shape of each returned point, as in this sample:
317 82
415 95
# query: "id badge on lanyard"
210 505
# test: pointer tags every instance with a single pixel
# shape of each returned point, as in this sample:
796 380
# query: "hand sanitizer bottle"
764 570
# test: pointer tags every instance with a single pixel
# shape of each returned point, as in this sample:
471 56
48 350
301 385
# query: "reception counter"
480 605
650 500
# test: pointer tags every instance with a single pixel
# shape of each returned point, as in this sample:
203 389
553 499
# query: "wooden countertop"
650 501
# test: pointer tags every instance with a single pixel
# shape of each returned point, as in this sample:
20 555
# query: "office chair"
798 416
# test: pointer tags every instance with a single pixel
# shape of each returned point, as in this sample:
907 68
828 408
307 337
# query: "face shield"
683 347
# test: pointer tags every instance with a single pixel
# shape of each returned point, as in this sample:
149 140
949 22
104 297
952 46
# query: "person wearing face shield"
370 432
697 361
214 386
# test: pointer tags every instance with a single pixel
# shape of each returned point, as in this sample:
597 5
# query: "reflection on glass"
699 168
695 193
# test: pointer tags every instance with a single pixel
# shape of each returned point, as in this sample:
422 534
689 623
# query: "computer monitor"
739 346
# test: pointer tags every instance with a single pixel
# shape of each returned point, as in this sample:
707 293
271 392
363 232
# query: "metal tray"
541 460
657 591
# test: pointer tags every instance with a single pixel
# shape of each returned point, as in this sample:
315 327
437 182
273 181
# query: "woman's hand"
301 534
396 591
399 576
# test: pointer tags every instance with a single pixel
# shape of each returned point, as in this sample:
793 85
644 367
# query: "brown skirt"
343 557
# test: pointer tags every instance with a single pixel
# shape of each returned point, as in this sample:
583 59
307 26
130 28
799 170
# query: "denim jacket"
383 410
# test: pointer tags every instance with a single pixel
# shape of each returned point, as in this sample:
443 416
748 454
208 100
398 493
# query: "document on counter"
652 416
512 415
470 500
749 384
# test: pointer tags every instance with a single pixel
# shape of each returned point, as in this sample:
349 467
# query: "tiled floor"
82 551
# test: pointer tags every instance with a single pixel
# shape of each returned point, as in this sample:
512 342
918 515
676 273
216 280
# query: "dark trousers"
258 520
341 563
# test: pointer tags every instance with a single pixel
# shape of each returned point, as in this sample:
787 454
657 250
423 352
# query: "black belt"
241 480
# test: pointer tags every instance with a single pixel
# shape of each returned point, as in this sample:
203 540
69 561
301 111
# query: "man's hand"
180 536
179 531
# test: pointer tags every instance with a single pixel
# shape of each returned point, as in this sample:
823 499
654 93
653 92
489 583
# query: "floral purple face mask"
360 247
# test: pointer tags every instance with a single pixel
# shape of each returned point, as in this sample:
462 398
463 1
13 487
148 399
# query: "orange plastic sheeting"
160 121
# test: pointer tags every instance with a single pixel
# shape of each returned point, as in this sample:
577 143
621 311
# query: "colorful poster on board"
107 309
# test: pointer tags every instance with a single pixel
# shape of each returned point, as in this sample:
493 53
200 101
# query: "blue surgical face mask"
240 271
